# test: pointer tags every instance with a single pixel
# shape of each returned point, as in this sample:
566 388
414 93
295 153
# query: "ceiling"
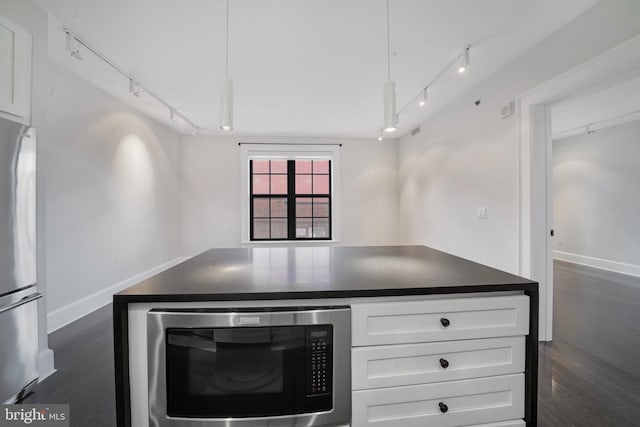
614 105
300 67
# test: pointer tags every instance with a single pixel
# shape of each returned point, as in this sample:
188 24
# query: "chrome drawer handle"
443 407
21 302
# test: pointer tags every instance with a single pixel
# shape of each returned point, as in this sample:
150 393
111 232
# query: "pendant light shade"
390 116
226 105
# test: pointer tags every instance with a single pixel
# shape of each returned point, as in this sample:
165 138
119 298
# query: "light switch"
482 213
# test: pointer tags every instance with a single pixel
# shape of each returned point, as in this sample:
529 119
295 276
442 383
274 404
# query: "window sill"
289 242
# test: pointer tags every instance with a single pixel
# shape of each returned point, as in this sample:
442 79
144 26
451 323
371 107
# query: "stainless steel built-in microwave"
271 367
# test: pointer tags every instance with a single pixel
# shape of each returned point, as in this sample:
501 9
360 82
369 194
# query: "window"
290 199
290 192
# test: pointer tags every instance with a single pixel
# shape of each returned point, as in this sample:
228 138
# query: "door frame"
534 143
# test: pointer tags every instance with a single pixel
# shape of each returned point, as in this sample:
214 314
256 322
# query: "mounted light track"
463 59
135 86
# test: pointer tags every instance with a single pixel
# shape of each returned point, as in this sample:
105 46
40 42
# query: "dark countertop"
317 272
320 272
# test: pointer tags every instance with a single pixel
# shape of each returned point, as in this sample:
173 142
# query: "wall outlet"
481 213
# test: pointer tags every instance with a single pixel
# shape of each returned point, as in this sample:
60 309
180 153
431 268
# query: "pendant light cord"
388 45
226 71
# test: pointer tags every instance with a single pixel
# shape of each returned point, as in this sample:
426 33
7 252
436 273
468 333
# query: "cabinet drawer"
439 320
455 403
408 364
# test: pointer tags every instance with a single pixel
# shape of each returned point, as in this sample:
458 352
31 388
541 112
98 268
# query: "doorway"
535 137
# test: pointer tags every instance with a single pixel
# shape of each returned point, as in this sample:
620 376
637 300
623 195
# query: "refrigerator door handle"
21 302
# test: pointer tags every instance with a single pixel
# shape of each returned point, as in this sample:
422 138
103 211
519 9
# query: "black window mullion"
251 231
291 199
270 236
330 204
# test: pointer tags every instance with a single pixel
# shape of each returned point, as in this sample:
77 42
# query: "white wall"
33 19
210 191
467 157
595 195
112 191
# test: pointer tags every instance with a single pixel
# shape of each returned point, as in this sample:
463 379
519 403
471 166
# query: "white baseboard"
45 364
71 312
604 264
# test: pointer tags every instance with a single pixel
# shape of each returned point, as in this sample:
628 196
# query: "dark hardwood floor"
85 373
588 376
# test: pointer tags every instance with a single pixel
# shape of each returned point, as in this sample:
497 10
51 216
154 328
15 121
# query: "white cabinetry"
440 362
15 71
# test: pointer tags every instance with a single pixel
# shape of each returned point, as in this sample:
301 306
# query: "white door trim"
618 63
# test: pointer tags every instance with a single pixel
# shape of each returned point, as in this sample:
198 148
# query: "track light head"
464 64
134 89
71 46
423 99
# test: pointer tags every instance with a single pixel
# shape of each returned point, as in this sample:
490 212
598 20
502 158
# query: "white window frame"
250 151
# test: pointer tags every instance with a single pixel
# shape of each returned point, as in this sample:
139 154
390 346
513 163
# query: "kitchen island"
409 304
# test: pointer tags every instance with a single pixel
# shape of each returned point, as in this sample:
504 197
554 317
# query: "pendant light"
226 95
389 90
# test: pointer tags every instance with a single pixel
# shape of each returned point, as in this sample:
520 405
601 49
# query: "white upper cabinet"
15 71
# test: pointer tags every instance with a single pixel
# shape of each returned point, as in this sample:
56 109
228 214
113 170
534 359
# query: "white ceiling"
300 67
614 105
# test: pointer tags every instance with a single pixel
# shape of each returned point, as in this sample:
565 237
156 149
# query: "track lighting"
226 96
391 115
71 46
423 100
134 89
464 64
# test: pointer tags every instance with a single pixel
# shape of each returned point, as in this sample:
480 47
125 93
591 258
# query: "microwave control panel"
320 352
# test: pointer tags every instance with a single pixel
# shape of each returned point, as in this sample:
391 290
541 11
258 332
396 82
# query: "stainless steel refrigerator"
18 282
